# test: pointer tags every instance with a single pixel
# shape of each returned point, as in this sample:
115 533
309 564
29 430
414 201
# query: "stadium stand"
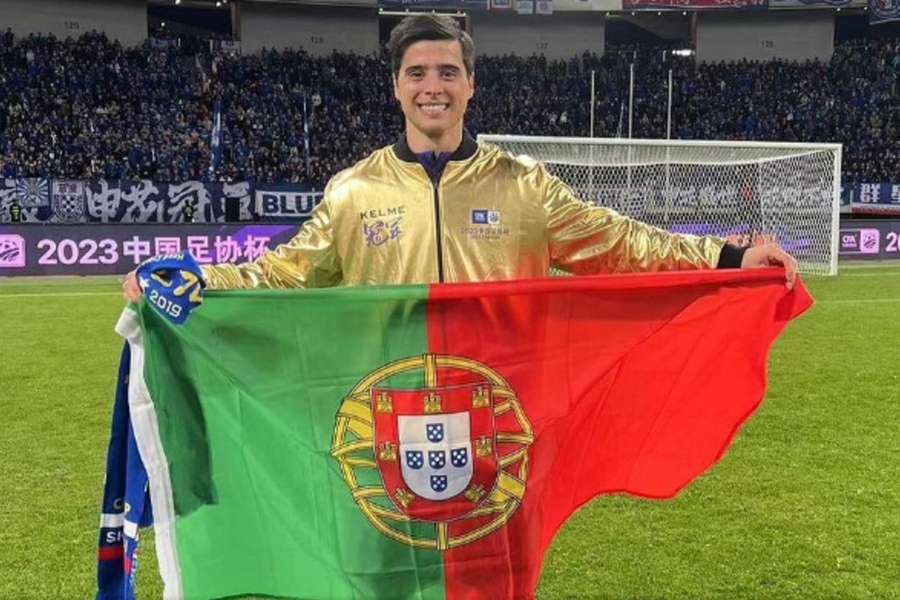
90 108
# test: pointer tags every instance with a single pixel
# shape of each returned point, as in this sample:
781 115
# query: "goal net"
743 191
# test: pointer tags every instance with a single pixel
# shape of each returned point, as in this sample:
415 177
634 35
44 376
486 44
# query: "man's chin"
435 127
436 132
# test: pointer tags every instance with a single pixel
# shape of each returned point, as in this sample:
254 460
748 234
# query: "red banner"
703 4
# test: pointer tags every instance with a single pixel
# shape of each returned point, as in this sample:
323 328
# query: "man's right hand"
131 291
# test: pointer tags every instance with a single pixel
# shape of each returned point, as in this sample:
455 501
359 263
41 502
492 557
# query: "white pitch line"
60 294
879 274
860 301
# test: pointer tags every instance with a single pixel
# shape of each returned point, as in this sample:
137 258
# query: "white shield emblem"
435 454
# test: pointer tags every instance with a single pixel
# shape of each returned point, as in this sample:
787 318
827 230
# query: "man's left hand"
771 255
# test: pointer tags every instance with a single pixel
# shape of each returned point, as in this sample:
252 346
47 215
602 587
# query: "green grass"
805 505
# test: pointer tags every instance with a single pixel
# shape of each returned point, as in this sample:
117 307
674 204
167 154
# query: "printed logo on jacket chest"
485 224
381 225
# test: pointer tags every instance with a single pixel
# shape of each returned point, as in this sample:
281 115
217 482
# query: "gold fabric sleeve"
309 259
586 239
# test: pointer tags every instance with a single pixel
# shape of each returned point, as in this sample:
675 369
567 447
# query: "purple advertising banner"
117 249
869 240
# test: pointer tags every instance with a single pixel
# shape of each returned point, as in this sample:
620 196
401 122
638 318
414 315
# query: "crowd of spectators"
90 108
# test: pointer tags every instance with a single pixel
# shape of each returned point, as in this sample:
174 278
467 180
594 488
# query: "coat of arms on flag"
452 455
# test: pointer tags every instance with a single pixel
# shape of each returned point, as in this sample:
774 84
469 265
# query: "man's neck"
420 143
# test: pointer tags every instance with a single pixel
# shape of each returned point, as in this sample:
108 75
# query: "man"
439 207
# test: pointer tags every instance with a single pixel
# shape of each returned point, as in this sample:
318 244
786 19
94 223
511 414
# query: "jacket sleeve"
308 260
587 239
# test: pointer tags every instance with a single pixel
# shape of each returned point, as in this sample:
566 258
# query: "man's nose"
432 83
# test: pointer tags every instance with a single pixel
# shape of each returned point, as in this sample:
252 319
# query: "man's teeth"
433 108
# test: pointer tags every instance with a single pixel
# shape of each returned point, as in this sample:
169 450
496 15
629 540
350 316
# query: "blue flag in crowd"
306 116
215 141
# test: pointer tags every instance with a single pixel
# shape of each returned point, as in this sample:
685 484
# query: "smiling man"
439 207
433 81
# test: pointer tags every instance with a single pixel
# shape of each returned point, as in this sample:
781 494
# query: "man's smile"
434 108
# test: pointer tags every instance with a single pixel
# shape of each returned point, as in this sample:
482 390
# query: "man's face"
433 88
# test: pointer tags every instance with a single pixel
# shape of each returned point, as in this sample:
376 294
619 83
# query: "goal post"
733 189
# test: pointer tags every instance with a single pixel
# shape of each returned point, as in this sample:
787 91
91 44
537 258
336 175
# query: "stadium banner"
777 4
872 198
702 4
118 249
224 46
67 201
543 7
883 11
845 199
285 202
33 192
437 444
152 202
24 200
433 4
525 7
869 240
112 201
163 43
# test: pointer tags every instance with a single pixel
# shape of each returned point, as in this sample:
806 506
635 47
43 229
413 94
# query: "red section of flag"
110 553
633 384
457 399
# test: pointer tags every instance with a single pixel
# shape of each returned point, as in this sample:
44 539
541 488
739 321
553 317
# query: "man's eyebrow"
446 67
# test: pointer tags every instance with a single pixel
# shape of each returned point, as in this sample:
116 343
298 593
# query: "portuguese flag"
429 441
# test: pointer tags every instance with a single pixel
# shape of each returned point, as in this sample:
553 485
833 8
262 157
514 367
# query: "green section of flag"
246 394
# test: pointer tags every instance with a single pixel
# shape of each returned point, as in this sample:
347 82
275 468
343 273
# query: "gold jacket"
490 216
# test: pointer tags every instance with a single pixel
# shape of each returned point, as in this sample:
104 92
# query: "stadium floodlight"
734 189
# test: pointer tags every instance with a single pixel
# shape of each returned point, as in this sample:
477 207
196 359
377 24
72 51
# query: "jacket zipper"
437 226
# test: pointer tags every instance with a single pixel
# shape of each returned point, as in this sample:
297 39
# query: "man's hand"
131 290
771 255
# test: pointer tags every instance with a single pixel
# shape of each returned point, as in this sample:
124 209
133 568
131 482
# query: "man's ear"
396 92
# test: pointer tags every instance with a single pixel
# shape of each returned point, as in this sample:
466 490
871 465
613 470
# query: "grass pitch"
806 504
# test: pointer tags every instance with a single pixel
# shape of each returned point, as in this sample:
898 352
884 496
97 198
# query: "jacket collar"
466 149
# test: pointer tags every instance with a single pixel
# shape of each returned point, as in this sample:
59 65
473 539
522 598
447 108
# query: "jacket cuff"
731 257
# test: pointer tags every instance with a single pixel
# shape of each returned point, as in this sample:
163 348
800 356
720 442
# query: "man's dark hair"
429 27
